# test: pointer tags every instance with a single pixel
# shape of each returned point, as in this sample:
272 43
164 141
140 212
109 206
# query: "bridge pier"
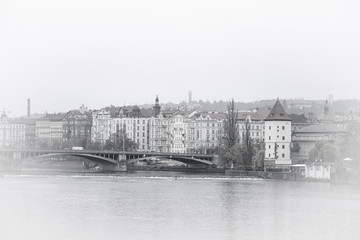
16 161
121 166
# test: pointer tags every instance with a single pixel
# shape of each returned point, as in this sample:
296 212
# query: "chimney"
28 107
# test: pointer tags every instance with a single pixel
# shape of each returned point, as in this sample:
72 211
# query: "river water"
156 205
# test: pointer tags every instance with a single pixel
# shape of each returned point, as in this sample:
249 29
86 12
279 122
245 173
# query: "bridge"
107 160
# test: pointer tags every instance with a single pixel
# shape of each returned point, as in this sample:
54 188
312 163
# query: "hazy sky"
62 54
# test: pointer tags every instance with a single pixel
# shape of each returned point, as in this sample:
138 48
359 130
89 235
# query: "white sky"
62 54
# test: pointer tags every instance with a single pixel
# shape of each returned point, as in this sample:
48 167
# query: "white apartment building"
178 130
50 128
136 124
11 134
277 137
136 128
204 131
256 119
160 132
101 126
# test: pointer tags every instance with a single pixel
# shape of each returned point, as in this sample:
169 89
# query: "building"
203 132
306 138
49 130
178 130
136 124
298 121
277 138
77 128
161 136
256 119
12 134
101 126
30 127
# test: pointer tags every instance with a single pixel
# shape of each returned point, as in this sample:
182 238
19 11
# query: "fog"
65 54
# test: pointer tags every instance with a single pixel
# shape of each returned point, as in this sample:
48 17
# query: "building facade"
204 131
12 134
77 128
101 126
136 124
49 130
306 138
277 138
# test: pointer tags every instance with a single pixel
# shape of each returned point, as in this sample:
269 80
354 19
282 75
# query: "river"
155 205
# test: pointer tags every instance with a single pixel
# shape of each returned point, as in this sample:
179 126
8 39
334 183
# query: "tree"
350 145
232 157
230 152
324 151
258 160
119 141
231 133
247 145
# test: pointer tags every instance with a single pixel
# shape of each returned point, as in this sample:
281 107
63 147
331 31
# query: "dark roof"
149 112
263 113
135 111
321 128
277 113
24 120
54 117
168 113
298 118
212 115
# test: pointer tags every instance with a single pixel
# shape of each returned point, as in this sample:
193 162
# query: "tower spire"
157 107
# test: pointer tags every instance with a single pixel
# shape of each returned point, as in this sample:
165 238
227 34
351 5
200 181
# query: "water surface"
174 206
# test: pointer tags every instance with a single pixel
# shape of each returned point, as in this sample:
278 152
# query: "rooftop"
320 128
278 113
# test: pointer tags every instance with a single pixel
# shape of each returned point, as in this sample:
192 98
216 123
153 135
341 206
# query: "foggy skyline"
62 55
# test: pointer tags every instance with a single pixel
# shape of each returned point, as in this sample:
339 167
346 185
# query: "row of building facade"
177 131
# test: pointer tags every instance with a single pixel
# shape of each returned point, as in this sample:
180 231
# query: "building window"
269 146
283 138
269 137
283 155
269 127
283 127
283 146
269 155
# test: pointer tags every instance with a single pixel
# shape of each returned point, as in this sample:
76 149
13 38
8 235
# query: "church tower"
157 107
326 107
277 137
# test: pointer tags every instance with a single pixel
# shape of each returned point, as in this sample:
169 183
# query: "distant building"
256 119
135 122
298 121
161 136
77 127
277 138
307 137
12 134
179 126
101 126
30 129
203 131
49 130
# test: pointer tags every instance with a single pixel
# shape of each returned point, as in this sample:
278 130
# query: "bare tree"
230 152
248 146
231 133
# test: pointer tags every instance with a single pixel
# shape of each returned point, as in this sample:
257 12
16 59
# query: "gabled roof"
212 115
278 113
